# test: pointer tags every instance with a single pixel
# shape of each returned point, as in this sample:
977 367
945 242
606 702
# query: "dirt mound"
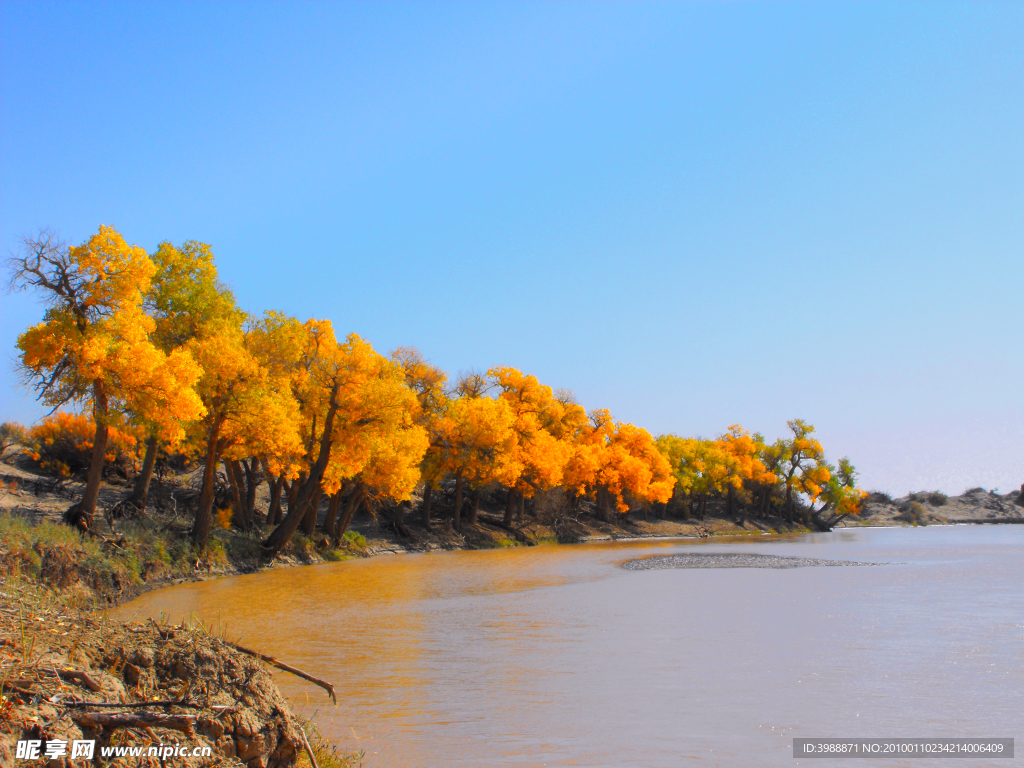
57 665
931 507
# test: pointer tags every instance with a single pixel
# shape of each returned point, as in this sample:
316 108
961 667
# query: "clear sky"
693 214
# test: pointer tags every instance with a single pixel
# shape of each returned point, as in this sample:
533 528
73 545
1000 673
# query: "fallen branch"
81 677
131 705
309 749
163 635
183 723
25 686
287 668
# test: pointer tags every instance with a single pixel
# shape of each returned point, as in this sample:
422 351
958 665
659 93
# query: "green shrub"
879 497
241 546
335 555
912 512
937 498
216 552
355 539
301 546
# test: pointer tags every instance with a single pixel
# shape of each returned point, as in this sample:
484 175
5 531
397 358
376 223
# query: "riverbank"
130 557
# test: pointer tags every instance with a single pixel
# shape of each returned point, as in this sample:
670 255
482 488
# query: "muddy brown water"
558 656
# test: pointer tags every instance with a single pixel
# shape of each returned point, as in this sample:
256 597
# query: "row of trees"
752 475
156 343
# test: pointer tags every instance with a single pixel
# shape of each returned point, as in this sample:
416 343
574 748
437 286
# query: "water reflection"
555 656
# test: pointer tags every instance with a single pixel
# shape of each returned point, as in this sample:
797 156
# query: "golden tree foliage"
479 439
352 402
802 468
94 342
278 342
379 435
245 413
428 382
185 296
636 468
743 459
614 462
537 422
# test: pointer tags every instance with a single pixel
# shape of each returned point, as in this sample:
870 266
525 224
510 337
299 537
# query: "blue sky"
694 214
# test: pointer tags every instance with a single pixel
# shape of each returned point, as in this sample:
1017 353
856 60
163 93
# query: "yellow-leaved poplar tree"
93 347
187 301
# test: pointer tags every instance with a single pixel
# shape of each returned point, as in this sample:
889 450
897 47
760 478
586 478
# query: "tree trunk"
789 498
457 513
274 510
252 482
281 535
522 507
99 449
286 486
312 512
201 527
425 511
293 491
235 482
276 486
333 505
510 506
398 518
602 505
140 493
474 506
350 511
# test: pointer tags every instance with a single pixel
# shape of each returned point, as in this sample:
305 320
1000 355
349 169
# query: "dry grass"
327 755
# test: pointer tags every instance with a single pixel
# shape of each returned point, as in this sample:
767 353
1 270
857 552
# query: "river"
557 656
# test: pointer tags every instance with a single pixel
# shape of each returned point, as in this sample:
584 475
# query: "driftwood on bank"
287 668
129 705
25 686
183 723
309 749
79 676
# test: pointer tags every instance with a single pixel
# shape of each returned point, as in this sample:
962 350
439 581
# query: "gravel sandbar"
737 560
